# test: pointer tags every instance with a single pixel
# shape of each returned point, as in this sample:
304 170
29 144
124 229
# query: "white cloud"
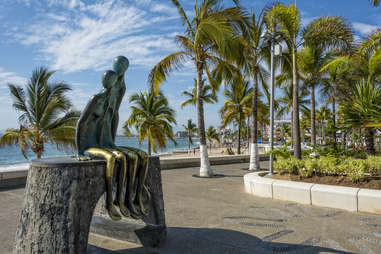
163 8
10 77
88 37
363 28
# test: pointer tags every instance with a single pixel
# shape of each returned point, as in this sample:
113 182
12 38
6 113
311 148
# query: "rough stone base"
151 230
60 198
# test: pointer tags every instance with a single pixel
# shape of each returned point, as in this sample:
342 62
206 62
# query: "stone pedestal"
60 198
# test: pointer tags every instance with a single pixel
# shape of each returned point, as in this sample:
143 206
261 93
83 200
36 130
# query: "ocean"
12 158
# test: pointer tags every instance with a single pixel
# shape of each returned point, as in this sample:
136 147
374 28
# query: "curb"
339 197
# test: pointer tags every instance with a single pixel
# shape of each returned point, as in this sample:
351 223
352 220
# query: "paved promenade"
216 216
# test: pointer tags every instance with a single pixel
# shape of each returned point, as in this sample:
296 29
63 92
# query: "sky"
79 39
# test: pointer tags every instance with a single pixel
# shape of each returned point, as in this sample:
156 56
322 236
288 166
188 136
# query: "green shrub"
311 164
356 169
307 168
352 167
327 165
373 164
307 152
283 153
289 165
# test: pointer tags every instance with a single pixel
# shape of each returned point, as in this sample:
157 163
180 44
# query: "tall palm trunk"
369 141
239 133
248 132
313 117
205 169
292 129
254 162
38 143
149 145
295 107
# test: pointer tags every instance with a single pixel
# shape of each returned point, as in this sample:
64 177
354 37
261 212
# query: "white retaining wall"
346 198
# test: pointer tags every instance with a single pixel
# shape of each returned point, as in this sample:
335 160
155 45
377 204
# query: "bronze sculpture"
95 137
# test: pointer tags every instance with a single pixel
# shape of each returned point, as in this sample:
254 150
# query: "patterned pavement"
217 216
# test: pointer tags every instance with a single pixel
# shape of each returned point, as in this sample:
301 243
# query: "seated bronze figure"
95 138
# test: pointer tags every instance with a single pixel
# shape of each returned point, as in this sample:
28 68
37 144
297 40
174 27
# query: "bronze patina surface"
95 138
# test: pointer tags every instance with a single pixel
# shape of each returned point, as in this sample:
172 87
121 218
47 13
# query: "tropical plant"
311 59
286 101
212 134
254 51
322 116
285 131
362 109
208 36
190 128
343 73
305 122
152 118
237 104
207 95
46 114
325 32
335 85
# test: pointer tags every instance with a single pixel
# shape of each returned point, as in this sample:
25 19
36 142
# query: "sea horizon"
11 157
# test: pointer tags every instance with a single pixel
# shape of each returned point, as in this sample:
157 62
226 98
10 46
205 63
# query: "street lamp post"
275 51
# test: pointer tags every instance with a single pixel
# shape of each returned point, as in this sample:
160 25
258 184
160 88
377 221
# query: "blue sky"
79 39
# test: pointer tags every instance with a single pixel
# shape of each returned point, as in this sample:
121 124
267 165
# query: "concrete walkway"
216 216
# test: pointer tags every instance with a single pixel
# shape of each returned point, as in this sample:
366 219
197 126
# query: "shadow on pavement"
209 240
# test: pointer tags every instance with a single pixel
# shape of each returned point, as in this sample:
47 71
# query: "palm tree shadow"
213 240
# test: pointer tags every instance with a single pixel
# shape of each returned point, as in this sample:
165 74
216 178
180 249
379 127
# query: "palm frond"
161 70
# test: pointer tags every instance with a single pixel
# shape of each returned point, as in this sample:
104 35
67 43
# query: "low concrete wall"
10 179
18 177
346 198
172 163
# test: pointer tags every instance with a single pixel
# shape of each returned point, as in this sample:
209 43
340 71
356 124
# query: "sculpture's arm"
81 125
115 121
115 125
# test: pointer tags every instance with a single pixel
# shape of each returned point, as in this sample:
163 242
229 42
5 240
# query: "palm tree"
286 101
287 18
207 36
362 109
212 134
254 51
322 115
152 118
207 95
311 60
46 115
236 106
285 131
190 128
325 31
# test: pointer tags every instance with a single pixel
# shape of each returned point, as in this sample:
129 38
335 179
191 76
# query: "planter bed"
368 183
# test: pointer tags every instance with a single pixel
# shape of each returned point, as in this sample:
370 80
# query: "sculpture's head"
120 65
109 78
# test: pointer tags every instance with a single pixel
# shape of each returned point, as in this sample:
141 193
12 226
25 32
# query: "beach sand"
215 151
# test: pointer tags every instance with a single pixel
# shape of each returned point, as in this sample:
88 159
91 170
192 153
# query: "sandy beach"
193 153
